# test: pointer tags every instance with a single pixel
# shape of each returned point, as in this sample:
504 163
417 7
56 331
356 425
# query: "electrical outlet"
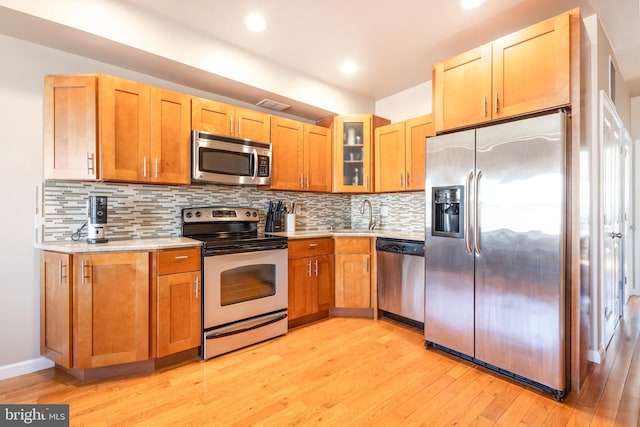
384 210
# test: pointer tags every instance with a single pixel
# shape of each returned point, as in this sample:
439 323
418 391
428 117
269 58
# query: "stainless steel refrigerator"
495 248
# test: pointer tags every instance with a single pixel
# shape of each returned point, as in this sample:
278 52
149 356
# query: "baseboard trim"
596 356
25 367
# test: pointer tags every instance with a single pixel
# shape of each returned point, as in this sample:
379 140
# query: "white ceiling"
394 43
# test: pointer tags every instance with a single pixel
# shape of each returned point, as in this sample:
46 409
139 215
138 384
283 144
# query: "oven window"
247 283
225 162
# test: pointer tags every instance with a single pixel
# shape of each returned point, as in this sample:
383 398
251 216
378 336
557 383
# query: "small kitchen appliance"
96 219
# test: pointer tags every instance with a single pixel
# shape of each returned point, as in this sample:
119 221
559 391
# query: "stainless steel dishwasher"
401 279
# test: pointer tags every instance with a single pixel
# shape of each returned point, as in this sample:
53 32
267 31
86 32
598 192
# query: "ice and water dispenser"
448 211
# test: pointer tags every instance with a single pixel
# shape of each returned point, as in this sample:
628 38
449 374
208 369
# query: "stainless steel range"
245 281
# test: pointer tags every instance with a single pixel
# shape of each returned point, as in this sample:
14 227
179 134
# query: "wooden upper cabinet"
170 150
287 154
531 68
317 158
524 72
390 157
125 129
224 119
416 132
400 154
104 128
462 89
352 154
70 127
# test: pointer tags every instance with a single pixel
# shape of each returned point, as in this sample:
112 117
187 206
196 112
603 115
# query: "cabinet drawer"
310 247
178 260
352 245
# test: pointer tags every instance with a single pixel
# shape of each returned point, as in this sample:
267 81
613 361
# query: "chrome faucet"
372 221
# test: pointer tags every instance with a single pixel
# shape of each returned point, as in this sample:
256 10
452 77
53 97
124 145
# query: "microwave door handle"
255 164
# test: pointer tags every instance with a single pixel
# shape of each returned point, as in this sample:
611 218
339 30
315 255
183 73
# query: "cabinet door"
211 116
70 128
390 157
178 312
170 153
416 132
287 167
125 130
352 154
324 283
353 280
55 307
300 298
110 309
462 89
251 124
531 68
317 158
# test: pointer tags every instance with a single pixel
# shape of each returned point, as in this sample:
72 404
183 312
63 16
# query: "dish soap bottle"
355 177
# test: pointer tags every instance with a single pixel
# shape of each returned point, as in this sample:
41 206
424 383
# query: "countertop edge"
309 234
120 245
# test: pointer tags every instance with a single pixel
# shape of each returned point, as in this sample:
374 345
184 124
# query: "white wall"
413 102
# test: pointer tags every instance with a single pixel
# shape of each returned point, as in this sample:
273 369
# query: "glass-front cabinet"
352 166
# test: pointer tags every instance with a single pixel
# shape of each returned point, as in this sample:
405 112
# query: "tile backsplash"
143 211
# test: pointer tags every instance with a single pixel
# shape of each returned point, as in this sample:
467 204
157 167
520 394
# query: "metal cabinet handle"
401 181
301 181
197 286
62 277
91 163
484 106
467 214
407 181
312 245
307 182
309 268
496 102
239 127
366 265
231 125
615 235
476 225
316 268
83 266
181 257
157 168
144 166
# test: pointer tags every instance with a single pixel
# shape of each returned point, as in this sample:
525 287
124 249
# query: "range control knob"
198 214
247 214
255 214
188 215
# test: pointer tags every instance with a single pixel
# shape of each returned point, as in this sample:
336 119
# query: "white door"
628 224
612 261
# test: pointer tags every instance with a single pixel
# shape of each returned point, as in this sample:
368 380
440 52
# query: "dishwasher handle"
400 246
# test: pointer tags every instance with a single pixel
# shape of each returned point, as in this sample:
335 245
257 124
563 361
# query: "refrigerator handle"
476 224
467 216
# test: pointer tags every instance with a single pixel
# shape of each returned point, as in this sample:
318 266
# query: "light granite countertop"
120 245
308 234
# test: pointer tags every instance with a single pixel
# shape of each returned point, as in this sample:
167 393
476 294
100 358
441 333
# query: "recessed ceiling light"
255 23
349 67
470 4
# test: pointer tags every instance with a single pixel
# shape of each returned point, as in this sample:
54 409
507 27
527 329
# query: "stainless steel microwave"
226 160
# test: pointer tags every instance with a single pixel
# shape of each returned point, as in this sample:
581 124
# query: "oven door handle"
248 328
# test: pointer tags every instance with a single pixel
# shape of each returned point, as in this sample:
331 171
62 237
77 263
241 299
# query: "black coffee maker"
97 219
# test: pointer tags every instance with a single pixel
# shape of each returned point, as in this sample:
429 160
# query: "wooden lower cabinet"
110 309
311 274
55 307
176 293
353 272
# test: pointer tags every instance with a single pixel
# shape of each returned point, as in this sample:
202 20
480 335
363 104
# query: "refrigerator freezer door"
449 291
520 296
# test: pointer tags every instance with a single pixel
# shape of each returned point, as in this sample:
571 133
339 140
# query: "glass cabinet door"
353 154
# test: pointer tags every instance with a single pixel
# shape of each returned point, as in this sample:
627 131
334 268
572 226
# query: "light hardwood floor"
346 372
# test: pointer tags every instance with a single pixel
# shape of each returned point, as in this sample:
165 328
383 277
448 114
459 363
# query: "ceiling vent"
272 105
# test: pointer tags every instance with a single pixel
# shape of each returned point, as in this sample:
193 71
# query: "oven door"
243 285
